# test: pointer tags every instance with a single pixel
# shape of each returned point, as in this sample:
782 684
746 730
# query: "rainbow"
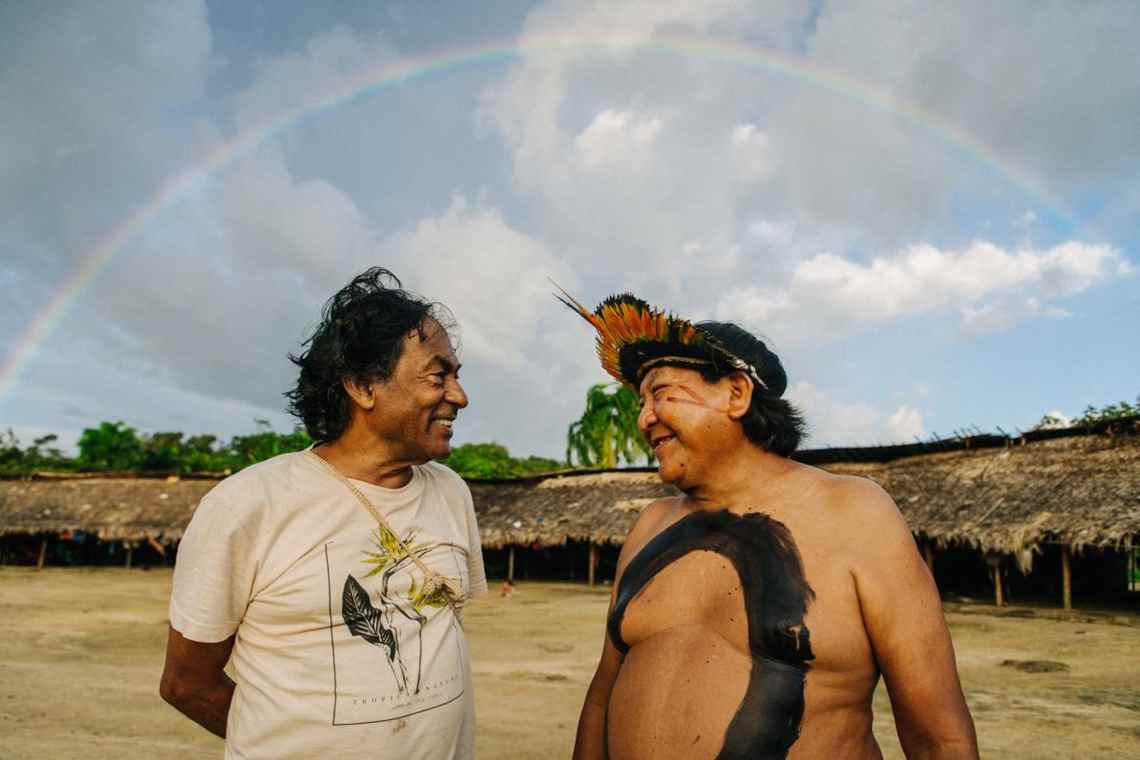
368 82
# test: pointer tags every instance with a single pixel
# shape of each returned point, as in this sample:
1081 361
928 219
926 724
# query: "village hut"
594 509
1002 501
995 508
120 513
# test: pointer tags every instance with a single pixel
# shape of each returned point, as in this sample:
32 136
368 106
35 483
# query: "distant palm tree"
607 429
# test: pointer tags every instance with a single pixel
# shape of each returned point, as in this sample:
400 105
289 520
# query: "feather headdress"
633 337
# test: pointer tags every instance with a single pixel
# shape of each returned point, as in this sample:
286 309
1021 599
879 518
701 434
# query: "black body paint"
776 596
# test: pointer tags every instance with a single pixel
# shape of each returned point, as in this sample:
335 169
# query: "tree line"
117 447
605 435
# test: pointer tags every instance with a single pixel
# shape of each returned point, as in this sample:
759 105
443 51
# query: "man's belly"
675 695
678 692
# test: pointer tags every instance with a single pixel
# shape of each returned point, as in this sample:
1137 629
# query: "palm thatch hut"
1001 501
126 510
1005 499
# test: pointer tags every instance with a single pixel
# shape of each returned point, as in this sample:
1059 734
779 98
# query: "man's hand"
194 680
903 617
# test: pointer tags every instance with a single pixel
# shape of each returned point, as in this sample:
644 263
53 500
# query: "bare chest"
756 592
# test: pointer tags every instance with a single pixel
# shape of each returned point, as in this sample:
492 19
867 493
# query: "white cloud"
923 279
835 421
751 152
330 63
493 277
832 422
618 141
994 317
905 424
1053 419
84 128
753 175
627 155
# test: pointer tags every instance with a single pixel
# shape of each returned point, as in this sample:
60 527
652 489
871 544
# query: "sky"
928 210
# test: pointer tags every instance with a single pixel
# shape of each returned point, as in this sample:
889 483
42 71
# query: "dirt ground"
81 652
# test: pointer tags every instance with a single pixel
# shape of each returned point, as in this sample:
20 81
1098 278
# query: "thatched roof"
1080 488
1081 491
128 509
598 507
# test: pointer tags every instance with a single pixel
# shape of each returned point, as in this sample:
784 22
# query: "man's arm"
194 680
590 742
902 614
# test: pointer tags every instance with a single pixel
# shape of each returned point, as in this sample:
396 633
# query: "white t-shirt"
336 654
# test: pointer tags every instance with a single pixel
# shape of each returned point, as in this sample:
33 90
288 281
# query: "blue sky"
929 210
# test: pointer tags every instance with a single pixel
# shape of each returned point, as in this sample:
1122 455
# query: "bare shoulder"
861 506
654 517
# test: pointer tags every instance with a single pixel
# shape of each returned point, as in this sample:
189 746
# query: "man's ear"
359 389
739 395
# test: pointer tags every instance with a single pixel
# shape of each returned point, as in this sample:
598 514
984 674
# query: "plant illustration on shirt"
376 624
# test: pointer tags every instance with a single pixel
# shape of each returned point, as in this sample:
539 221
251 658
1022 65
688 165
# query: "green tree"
492 460
1093 414
200 455
248 449
162 452
111 446
11 455
607 429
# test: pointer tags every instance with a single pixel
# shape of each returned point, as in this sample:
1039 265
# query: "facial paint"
776 596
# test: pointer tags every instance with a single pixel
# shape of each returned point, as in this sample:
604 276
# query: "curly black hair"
361 335
771 422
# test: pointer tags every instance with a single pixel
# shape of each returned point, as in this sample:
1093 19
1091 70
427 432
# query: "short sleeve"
213 575
475 571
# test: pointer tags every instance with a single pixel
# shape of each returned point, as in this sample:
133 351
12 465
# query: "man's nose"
646 417
456 395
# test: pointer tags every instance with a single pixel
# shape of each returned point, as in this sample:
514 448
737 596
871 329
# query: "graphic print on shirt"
398 652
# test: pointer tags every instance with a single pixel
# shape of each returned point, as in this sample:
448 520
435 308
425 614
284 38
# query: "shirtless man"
753 615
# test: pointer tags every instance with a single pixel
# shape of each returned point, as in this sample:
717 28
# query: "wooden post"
43 554
130 551
593 562
999 600
1066 578
511 565
1130 581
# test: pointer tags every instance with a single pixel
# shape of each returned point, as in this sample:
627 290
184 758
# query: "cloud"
835 421
88 89
923 279
492 276
618 141
628 155
329 63
832 422
828 182
905 424
751 152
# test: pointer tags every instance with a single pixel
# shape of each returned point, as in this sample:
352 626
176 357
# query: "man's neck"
735 478
359 455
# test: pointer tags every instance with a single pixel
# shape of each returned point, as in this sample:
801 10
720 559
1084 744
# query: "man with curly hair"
332 579
754 613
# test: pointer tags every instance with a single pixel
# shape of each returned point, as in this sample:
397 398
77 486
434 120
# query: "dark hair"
771 422
361 335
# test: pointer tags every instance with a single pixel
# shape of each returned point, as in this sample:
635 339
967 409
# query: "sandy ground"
81 652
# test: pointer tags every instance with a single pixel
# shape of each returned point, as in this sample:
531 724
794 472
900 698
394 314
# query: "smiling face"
689 422
415 408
